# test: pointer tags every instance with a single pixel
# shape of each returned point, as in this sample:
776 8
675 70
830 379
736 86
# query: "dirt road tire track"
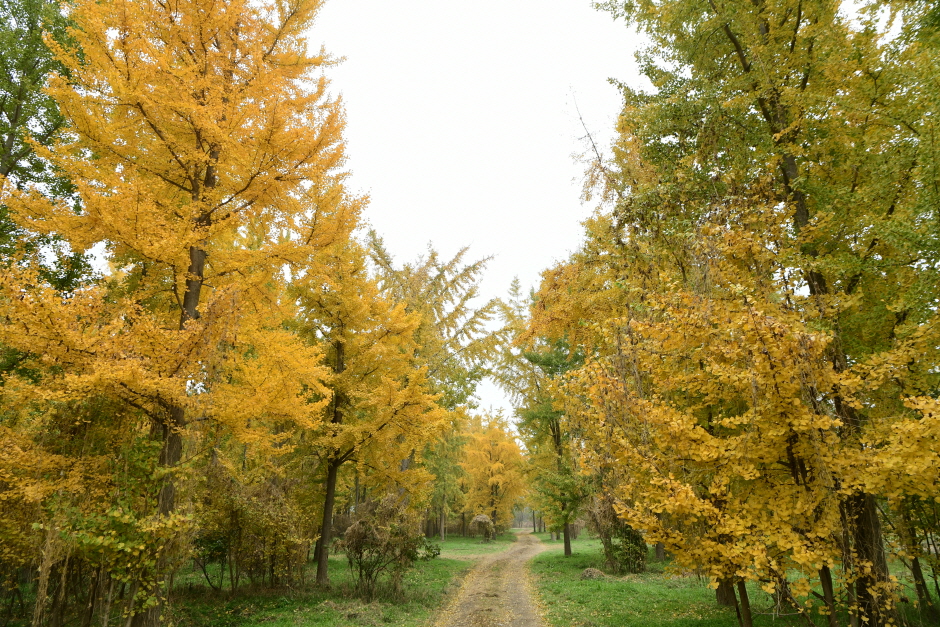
496 592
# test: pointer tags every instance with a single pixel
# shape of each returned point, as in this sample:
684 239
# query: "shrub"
624 546
384 538
482 523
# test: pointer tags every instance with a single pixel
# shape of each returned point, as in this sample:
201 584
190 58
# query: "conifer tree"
528 375
454 340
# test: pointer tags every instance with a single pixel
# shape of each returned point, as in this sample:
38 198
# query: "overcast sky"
463 123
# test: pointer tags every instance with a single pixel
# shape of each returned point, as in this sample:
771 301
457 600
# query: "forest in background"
739 365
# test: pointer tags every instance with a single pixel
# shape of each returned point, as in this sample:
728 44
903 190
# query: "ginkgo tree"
382 411
206 157
756 300
457 343
495 470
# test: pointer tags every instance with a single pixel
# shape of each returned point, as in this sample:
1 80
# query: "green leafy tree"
28 114
26 111
754 298
529 374
442 459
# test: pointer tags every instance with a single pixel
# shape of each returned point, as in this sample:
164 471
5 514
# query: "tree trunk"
866 540
332 468
197 267
746 619
59 597
567 534
170 432
917 574
660 552
93 597
170 455
317 546
724 593
171 429
443 523
326 530
106 613
825 579
923 593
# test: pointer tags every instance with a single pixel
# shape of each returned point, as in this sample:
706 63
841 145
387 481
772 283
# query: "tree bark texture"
867 543
326 530
825 580
745 612
724 593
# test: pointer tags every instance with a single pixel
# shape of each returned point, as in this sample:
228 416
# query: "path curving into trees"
496 593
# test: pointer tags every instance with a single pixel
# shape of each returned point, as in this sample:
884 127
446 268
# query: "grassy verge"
657 597
471 548
426 588
652 598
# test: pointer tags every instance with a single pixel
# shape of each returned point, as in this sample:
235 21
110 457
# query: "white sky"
462 125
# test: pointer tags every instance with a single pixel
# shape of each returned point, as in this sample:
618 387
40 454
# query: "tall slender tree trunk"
332 470
825 579
567 534
326 530
923 593
866 540
917 574
745 612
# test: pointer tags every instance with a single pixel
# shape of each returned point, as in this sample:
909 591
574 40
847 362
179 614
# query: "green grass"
470 548
426 588
658 597
653 598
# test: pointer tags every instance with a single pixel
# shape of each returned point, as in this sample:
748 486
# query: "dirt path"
496 592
